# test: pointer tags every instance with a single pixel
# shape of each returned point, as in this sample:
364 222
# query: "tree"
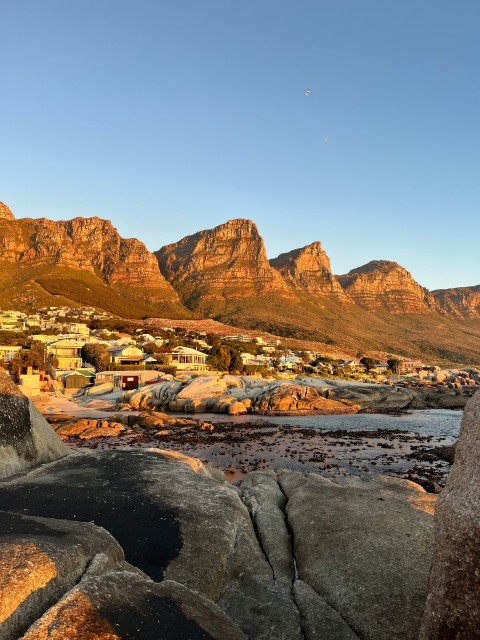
394 364
96 355
9 338
369 363
34 355
236 363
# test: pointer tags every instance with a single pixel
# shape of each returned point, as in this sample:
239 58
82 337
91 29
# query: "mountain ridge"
224 273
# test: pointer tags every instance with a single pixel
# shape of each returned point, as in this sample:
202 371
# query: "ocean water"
438 423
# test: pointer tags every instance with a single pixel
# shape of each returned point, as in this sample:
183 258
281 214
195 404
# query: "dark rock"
122 605
172 522
26 438
40 560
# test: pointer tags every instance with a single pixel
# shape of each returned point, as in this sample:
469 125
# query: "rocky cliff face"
382 284
87 245
5 213
226 262
462 302
310 268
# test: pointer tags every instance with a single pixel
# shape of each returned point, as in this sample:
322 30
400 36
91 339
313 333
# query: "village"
64 350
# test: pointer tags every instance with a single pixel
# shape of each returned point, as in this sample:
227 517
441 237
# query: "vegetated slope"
82 261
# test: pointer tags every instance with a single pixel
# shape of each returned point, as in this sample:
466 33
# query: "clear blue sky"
170 117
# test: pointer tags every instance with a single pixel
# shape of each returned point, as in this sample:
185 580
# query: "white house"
187 359
126 354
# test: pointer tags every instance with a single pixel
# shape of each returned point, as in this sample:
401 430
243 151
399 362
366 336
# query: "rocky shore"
237 395
260 444
151 544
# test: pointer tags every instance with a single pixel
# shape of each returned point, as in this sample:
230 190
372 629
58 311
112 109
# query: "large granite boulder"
121 605
173 521
363 546
40 560
453 604
26 438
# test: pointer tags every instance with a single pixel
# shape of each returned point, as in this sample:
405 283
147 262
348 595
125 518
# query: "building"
7 353
127 380
186 359
68 353
78 379
410 366
126 354
239 337
78 328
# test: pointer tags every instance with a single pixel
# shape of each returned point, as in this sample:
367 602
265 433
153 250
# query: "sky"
171 117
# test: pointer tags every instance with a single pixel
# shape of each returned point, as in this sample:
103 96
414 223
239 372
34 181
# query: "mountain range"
224 273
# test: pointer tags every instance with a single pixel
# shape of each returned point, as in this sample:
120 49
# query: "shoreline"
240 444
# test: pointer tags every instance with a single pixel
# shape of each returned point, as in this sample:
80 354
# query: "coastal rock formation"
62 579
26 438
40 560
97 608
452 609
462 302
382 284
310 268
242 394
39 250
224 263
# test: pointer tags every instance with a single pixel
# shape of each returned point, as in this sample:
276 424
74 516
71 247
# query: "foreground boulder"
40 560
124 605
174 522
26 438
453 609
363 546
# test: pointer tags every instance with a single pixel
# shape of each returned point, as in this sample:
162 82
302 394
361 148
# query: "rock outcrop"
382 284
224 263
26 438
310 268
462 302
247 394
452 609
5 212
174 523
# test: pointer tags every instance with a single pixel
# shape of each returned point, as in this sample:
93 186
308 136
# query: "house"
127 380
126 354
78 328
187 359
256 361
78 379
7 353
410 366
239 337
68 353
